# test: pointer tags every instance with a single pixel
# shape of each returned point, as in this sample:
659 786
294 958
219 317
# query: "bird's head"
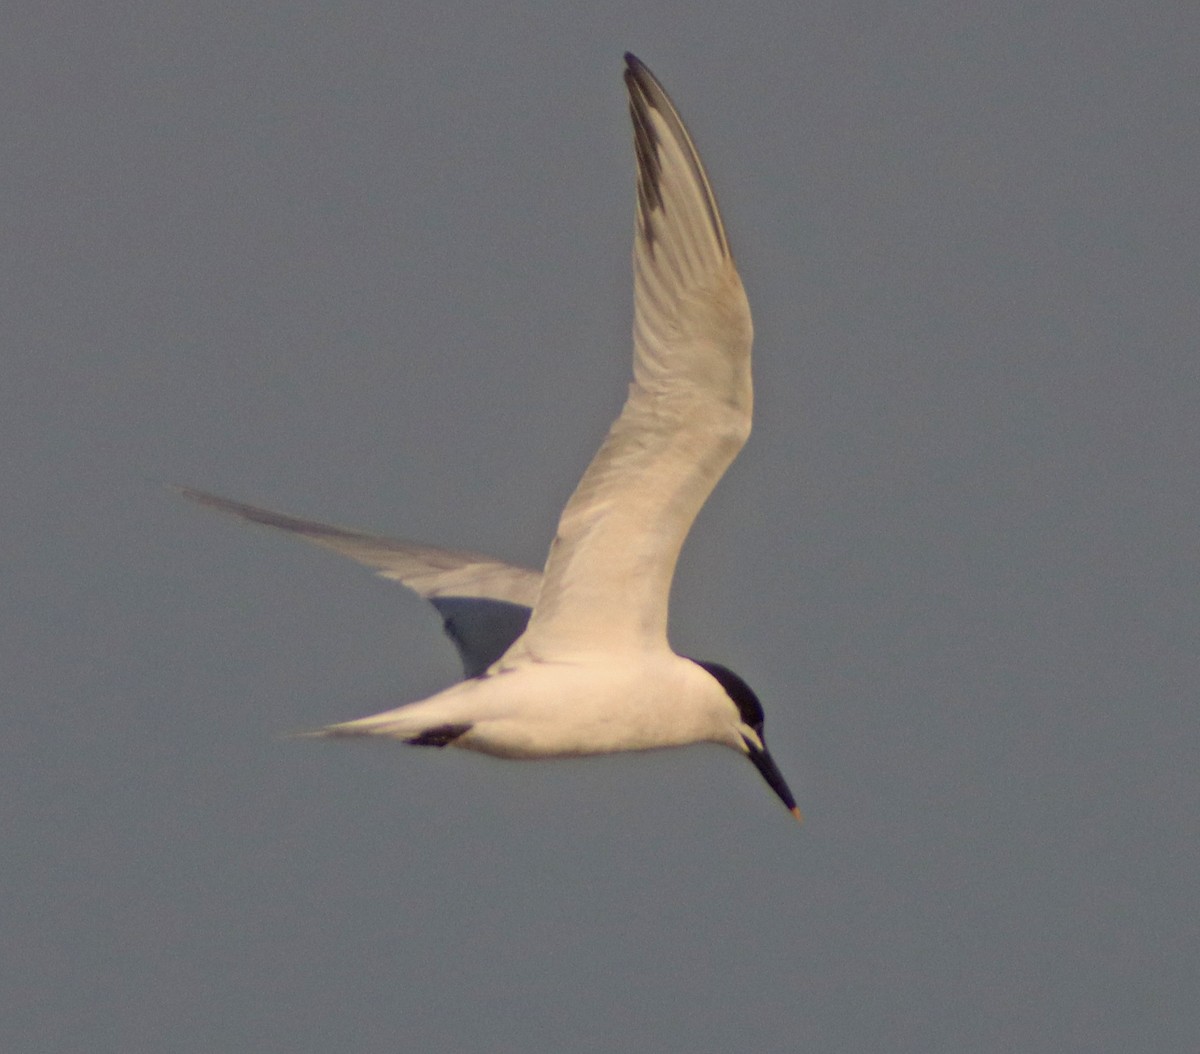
747 732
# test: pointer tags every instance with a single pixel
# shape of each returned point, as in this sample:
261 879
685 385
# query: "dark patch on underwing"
481 628
438 736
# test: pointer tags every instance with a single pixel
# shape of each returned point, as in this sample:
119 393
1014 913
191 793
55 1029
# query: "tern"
574 660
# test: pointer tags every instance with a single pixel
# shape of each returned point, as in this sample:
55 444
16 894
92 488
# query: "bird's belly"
570 710
568 729
525 740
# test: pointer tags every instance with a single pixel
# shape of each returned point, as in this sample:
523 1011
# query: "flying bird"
574 660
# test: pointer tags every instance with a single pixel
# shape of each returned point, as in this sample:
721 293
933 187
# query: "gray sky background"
370 263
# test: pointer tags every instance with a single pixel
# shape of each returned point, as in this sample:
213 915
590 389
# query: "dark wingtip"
200 497
637 72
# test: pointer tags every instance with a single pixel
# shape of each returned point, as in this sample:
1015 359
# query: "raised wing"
608 576
484 603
